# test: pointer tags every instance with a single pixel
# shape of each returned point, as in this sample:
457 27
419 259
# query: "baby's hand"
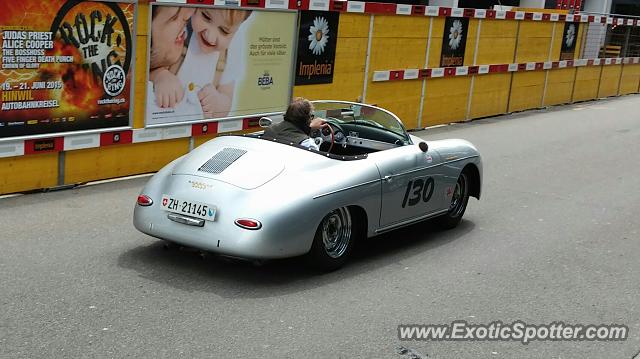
210 100
168 89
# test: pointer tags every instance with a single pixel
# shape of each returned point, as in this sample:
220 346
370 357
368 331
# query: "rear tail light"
144 200
248 223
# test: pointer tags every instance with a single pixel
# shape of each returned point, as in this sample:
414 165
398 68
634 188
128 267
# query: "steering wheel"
331 130
326 131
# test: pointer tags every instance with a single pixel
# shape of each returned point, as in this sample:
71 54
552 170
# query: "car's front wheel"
458 204
333 241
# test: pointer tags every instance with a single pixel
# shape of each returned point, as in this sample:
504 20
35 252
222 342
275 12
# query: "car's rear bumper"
222 236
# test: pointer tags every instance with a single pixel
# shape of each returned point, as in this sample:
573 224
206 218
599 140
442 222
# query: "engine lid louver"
221 160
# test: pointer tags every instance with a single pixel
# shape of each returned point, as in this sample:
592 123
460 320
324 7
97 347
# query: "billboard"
65 66
454 41
317 47
210 63
569 37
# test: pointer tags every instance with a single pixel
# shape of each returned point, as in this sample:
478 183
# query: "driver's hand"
317 123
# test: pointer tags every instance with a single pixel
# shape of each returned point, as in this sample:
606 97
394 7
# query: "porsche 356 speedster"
254 198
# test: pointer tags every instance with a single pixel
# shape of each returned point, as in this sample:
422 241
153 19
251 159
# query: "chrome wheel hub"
457 199
336 232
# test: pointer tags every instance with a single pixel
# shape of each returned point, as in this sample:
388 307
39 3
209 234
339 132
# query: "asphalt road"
554 238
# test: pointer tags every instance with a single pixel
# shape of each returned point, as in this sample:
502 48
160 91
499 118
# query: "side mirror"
423 147
265 122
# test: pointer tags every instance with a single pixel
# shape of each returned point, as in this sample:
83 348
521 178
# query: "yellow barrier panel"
586 84
28 172
527 89
471 42
435 49
406 39
202 139
497 45
535 37
610 80
140 87
445 100
400 97
559 86
490 95
580 40
497 42
398 43
630 79
118 161
556 42
143 16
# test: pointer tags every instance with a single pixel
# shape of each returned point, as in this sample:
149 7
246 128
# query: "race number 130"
419 190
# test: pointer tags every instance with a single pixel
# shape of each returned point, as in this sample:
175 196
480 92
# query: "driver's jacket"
287 132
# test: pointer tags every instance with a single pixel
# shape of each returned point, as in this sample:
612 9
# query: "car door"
411 184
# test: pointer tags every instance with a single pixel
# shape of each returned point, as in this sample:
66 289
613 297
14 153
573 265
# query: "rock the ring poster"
65 66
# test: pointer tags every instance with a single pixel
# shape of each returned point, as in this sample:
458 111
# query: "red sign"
569 4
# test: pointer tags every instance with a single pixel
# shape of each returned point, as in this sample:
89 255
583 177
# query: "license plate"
189 208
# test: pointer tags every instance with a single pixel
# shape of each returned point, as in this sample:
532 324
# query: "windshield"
361 114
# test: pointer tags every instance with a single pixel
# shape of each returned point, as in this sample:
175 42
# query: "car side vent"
221 160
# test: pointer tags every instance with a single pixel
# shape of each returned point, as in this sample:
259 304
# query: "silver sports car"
253 198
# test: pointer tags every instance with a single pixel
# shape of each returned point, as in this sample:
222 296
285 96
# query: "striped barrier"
416 74
407 10
93 140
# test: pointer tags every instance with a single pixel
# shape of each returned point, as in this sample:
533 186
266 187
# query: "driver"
298 122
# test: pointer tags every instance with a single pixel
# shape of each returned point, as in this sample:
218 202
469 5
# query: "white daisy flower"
319 35
571 35
455 34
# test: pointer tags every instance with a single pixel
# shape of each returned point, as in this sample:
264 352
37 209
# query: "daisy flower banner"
316 47
454 41
569 37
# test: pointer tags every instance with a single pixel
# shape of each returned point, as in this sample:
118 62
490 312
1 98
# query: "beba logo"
265 80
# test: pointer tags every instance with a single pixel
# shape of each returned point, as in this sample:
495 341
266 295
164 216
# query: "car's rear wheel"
458 204
333 241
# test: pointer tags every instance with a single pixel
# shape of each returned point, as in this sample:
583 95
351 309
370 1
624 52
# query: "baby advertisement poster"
210 63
